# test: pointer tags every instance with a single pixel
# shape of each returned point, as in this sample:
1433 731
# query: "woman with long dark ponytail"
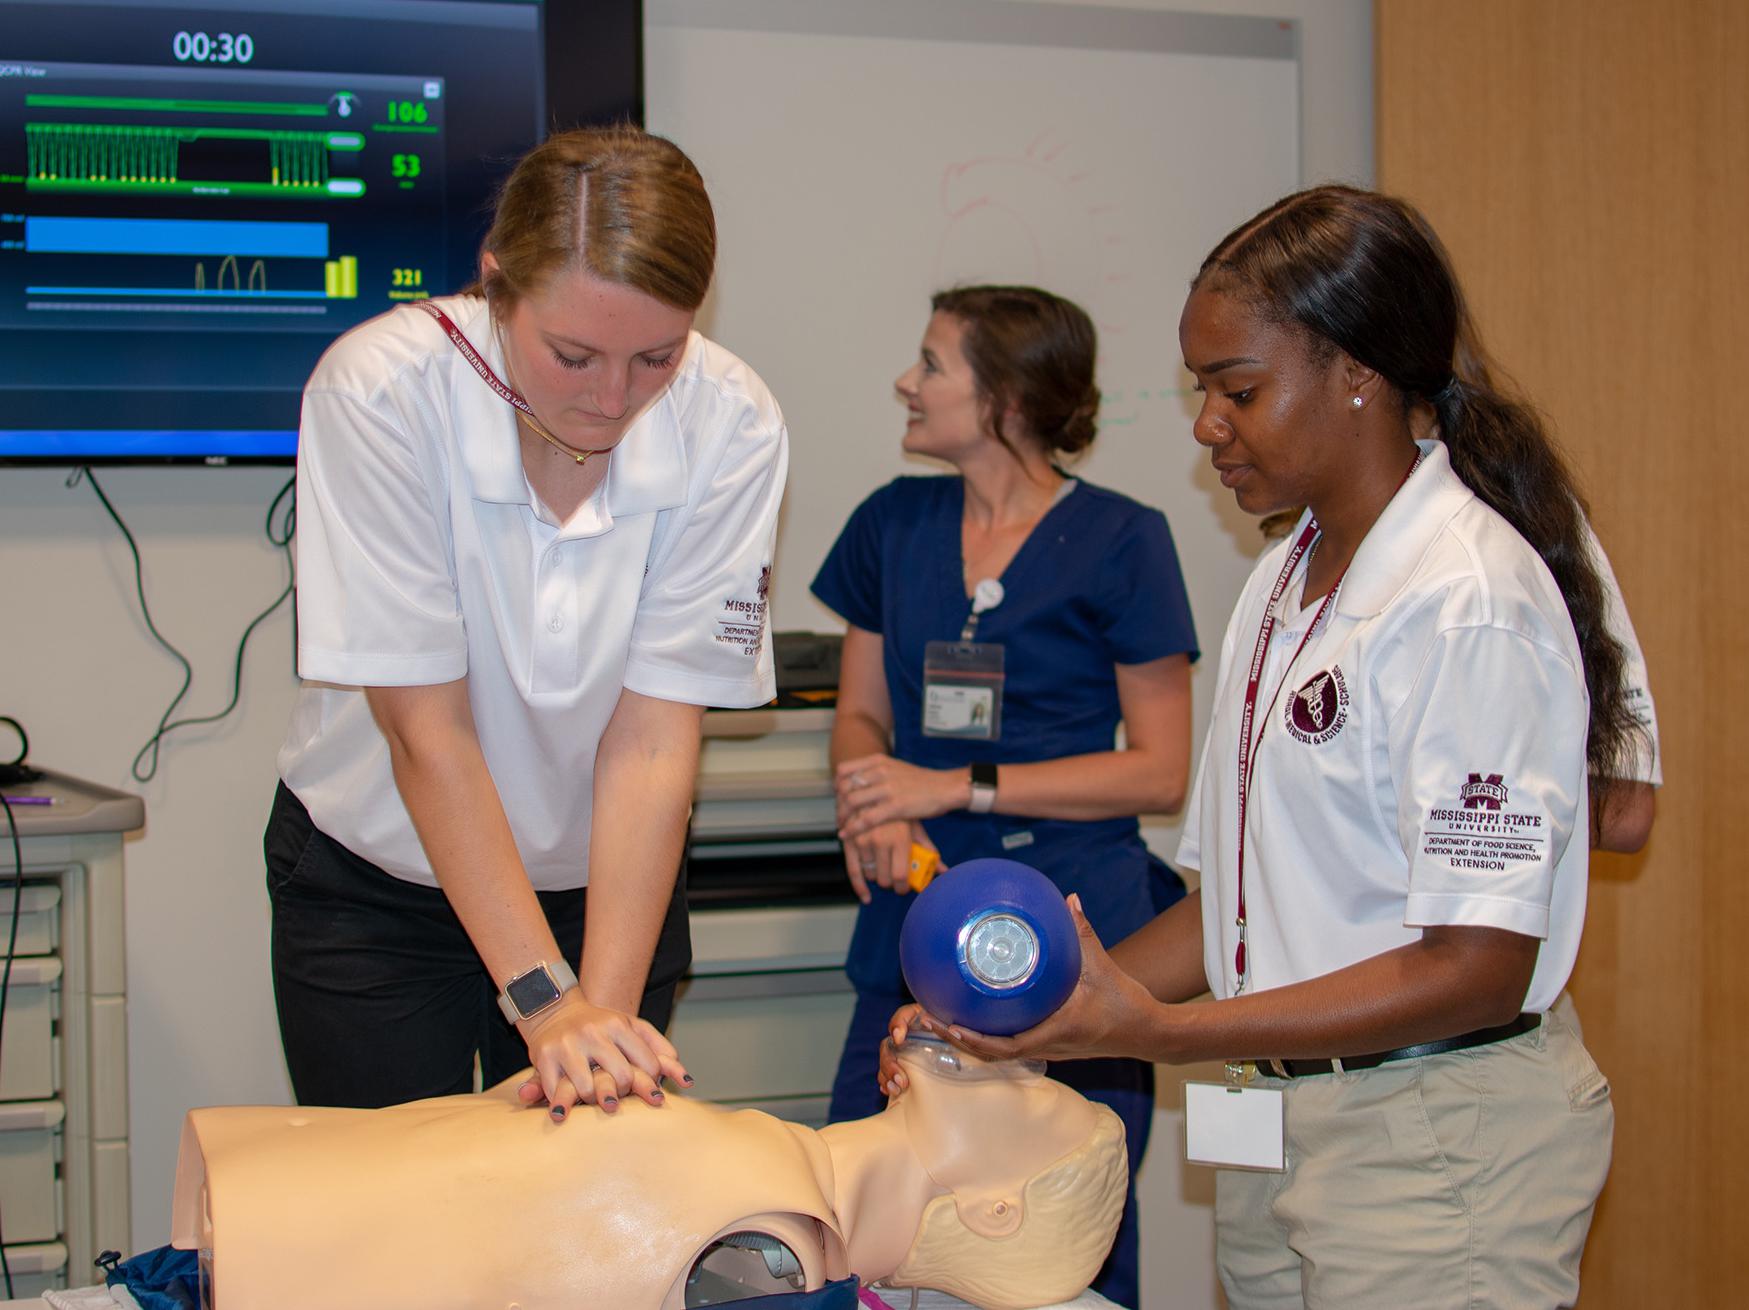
1391 812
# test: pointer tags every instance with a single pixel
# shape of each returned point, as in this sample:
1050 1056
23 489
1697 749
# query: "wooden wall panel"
1587 163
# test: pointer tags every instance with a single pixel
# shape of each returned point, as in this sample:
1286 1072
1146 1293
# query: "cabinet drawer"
39 907
748 1048
27 1052
37 1267
28 1191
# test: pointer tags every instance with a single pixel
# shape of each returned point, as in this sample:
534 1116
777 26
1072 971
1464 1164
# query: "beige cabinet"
761 1018
63 1055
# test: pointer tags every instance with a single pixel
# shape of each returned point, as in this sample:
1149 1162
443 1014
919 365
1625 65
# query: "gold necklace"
580 455
535 426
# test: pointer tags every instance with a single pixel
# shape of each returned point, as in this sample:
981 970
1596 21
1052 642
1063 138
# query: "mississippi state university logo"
1316 712
1481 793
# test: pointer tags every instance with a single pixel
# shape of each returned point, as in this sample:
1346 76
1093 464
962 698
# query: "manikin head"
1030 1179
988 1181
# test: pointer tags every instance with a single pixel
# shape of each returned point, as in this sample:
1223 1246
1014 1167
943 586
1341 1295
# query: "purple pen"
32 800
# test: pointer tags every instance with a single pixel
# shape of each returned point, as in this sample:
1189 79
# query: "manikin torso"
478 1202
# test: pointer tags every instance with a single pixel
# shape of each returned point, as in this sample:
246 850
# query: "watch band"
983 788
535 990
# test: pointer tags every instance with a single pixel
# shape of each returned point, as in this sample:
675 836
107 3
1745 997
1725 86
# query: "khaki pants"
1459 1180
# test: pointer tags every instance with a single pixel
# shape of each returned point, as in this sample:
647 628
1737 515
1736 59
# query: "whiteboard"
862 155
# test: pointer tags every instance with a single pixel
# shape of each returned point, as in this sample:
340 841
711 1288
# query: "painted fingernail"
611 1102
686 1080
558 1113
656 1095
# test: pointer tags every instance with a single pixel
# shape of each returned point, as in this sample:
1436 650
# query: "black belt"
1524 1023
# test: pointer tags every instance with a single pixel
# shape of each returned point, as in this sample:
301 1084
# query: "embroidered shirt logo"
1319 709
1483 833
1483 793
742 622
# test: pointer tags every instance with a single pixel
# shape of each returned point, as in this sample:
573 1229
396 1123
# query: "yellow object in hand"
925 864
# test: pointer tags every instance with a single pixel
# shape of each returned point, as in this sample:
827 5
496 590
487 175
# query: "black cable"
16 770
6 976
280 537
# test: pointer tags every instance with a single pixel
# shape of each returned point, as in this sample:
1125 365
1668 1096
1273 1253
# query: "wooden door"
1587 163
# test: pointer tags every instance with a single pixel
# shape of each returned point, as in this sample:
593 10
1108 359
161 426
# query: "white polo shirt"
1422 764
423 555
1644 764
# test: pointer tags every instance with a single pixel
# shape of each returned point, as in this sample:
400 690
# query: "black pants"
382 997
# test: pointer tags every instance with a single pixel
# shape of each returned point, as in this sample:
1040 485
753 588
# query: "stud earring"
1358 402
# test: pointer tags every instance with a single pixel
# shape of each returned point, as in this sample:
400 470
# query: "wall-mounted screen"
196 198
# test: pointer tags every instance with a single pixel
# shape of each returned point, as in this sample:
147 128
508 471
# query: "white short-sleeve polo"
1421 763
1644 763
424 557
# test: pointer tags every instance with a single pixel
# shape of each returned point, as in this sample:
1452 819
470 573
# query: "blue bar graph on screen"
173 236
78 446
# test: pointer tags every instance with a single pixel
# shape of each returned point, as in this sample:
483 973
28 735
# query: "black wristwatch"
983 788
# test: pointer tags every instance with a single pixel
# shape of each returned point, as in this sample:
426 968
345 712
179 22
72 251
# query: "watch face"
532 991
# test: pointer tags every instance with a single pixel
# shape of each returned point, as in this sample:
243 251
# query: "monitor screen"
196 198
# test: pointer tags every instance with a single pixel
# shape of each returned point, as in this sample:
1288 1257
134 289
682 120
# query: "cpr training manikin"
988 1181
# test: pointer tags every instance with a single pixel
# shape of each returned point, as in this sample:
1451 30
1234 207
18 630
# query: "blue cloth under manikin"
163 1278
1095 585
166 1279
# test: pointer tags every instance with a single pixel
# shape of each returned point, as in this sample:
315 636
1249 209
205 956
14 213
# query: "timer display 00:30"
212 47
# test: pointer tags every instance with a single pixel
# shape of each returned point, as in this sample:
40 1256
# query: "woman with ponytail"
1073 593
528 514
1390 815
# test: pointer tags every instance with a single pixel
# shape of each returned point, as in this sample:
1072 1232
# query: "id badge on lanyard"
962 680
1233 1125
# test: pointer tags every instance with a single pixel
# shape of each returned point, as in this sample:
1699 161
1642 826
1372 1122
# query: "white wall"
78 668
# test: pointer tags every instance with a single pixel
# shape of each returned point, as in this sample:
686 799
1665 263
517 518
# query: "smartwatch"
983 788
528 994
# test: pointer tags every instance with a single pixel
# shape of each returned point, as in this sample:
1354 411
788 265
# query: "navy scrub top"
1096 584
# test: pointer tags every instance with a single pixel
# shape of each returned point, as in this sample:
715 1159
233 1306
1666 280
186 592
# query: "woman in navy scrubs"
1076 591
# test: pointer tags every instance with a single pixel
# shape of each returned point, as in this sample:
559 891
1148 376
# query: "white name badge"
962 690
958 711
1234 1127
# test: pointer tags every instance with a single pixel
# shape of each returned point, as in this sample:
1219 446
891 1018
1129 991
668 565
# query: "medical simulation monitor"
196 198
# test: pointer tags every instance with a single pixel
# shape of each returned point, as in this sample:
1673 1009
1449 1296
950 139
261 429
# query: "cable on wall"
280 528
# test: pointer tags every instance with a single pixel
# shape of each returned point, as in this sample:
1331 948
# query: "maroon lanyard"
1246 745
481 367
